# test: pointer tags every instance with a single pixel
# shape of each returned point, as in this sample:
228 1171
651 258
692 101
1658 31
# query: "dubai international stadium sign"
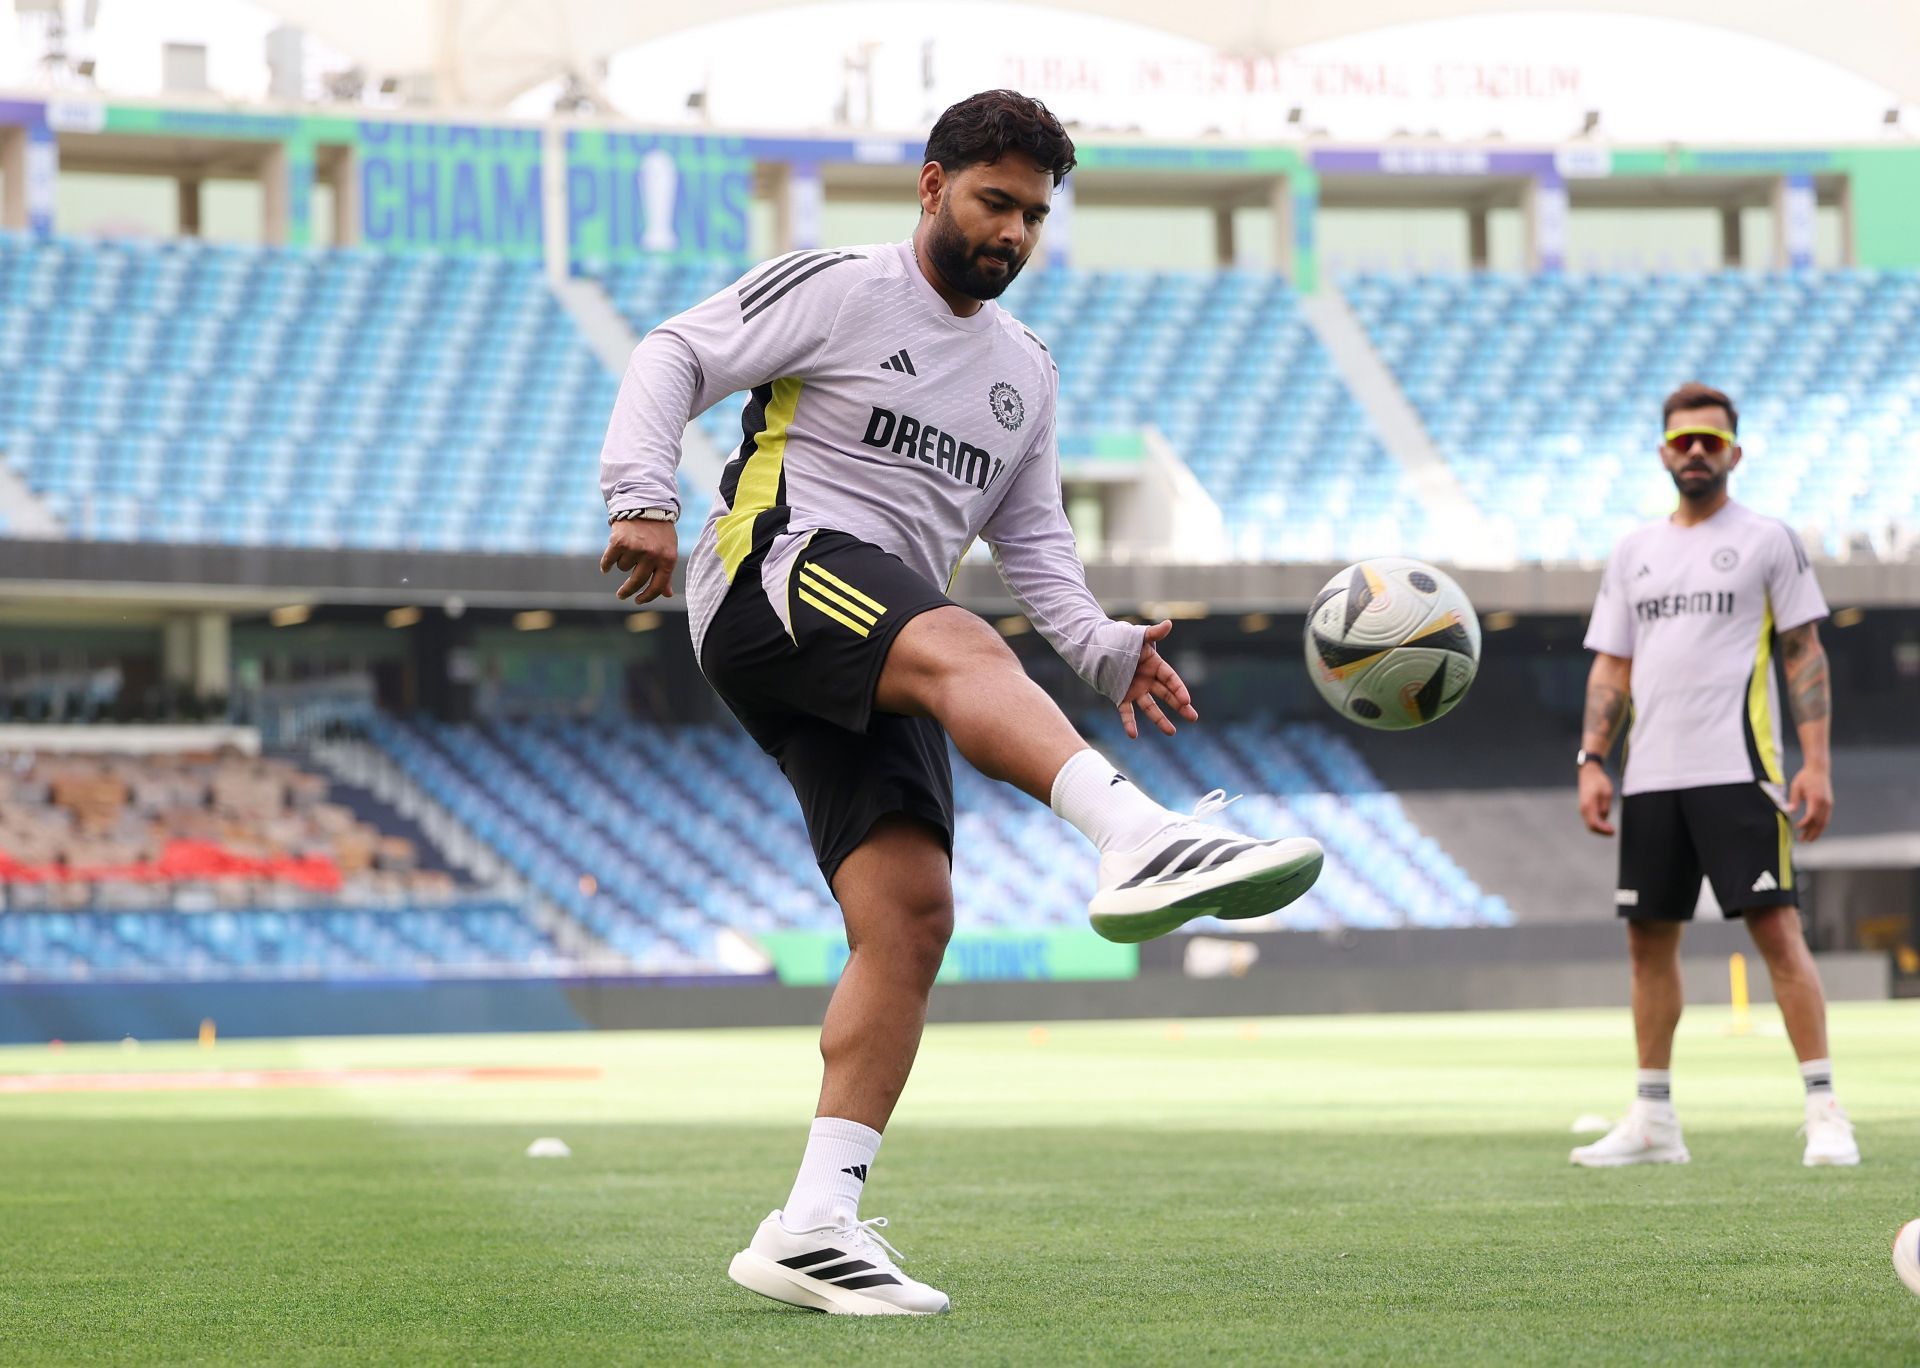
816 957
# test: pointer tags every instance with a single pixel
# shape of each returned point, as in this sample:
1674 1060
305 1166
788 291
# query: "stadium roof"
483 53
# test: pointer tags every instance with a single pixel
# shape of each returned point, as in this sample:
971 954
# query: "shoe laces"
1213 802
868 1231
1831 1115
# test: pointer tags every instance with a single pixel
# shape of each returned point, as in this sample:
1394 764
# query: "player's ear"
933 184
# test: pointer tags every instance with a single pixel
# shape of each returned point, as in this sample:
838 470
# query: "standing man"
1684 628
895 415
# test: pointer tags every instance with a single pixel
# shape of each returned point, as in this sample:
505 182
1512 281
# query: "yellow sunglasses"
1712 440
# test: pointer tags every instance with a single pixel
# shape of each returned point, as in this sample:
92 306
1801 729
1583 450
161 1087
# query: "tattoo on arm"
1606 709
1809 693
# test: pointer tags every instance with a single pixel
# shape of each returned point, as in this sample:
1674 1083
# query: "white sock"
1103 805
827 1190
1817 1074
1653 1092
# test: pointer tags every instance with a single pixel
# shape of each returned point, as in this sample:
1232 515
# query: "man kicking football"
896 414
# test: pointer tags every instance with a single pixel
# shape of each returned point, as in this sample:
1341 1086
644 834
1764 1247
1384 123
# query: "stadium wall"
584 194
1287 974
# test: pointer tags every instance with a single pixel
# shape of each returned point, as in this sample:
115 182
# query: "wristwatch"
1583 756
665 515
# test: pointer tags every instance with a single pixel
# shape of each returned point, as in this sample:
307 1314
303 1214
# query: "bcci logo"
1725 558
1008 411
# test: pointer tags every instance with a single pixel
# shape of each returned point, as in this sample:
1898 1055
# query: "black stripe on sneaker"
1222 856
871 1280
1159 862
808 1260
1193 857
840 1270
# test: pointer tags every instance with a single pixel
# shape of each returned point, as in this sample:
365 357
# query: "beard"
960 263
1698 486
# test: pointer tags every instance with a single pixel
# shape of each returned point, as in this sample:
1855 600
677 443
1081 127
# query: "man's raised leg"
1158 870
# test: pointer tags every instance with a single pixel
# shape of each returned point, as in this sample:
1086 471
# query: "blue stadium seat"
184 391
1544 393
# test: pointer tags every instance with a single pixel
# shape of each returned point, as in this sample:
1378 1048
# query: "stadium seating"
194 830
555 797
715 852
221 865
188 392
182 391
1221 363
469 937
1544 393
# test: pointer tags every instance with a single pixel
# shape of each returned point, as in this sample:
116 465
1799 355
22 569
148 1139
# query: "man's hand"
1596 799
1814 788
1154 683
648 548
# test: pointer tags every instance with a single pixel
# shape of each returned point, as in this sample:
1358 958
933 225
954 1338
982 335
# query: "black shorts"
1733 834
806 696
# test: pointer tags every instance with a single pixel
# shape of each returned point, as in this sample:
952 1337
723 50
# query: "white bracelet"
665 515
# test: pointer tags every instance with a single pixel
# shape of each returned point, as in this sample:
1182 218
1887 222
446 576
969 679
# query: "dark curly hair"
987 126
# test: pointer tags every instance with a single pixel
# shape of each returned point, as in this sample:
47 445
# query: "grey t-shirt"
876 411
1696 610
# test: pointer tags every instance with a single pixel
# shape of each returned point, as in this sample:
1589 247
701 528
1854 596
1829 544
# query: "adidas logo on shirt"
1766 883
857 1170
901 362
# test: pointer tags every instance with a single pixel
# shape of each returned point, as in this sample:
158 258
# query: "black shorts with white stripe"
1733 835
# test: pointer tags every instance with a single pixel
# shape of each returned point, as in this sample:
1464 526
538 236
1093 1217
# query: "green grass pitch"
1312 1190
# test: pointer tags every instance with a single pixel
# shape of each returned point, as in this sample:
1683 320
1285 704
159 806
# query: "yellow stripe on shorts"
827 609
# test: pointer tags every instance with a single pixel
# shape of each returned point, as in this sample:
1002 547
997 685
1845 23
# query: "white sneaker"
1906 1256
847 1270
1639 1139
1191 869
1829 1136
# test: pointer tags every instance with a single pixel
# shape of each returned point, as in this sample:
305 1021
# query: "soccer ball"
1392 643
1906 1255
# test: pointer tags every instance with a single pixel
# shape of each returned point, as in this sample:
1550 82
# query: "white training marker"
548 1147
1583 1125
